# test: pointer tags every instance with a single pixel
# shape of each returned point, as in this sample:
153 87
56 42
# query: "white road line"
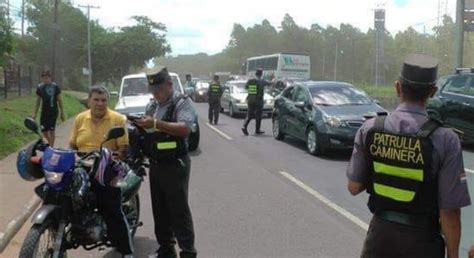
219 132
326 201
469 171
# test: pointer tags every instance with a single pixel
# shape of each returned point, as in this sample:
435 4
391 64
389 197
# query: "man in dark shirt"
49 97
256 92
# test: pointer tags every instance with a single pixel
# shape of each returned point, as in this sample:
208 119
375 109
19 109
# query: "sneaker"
244 130
259 132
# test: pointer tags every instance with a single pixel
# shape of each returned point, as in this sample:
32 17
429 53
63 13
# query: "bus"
281 65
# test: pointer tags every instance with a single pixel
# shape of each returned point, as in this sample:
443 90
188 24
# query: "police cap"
157 76
420 70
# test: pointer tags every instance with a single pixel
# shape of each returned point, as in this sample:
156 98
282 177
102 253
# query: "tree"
6 36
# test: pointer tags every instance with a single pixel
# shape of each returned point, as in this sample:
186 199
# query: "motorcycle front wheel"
39 241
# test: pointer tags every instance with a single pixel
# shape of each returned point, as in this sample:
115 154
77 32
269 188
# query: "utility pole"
335 61
55 38
89 39
459 45
22 17
8 9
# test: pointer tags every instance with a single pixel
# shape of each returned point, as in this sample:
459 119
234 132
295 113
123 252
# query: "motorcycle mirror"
30 123
115 132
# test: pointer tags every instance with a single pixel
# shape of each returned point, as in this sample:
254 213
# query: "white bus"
281 65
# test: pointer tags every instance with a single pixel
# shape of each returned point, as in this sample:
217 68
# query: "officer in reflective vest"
169 165
214 94
255 102
412 168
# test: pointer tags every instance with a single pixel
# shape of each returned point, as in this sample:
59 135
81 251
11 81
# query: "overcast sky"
205 25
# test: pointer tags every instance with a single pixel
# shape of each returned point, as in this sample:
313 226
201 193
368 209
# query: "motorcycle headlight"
53 177
269 101
201 92
333 121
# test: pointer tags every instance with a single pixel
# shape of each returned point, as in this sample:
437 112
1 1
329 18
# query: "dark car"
326 115
453 104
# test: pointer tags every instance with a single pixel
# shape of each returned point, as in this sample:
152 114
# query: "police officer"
413 170
255 88
170 165
214 95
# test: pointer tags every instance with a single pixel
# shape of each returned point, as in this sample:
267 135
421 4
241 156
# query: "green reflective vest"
253 90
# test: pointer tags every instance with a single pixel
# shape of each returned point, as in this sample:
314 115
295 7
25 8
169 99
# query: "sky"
196 26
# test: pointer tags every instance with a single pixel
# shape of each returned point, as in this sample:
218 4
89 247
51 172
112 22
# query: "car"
453 104
134 98
200 92
326 115
234 99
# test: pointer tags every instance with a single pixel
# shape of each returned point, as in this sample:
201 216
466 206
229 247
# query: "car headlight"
53 177
333 121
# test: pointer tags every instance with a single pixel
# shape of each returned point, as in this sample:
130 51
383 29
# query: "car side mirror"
114 133
376 101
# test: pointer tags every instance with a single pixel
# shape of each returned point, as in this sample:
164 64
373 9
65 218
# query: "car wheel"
277 134
313 144
231 110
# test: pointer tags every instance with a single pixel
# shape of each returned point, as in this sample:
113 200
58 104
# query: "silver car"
234 99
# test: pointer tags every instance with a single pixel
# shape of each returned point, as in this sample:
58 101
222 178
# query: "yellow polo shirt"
87 136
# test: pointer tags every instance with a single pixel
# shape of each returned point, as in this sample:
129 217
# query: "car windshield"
135 87
338 96
239 88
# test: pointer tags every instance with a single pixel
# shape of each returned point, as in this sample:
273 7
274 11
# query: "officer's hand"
471 252
145 122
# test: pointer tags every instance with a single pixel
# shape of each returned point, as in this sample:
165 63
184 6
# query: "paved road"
257 197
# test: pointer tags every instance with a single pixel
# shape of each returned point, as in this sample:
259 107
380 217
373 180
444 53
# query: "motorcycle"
69 216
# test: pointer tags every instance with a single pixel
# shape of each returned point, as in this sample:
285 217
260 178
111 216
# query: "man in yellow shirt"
88 132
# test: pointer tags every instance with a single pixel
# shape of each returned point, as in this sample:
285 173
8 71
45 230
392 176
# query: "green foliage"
6 35
356 55
115 51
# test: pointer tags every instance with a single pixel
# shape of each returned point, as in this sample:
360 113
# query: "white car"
134 98
235 99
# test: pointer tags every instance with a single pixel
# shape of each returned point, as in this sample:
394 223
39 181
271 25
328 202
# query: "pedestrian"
49 98
412 169
255 102
88 131
214 95
170 165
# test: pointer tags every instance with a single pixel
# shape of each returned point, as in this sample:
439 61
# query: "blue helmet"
28 169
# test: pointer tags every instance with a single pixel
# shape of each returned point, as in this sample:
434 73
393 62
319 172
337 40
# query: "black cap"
259 72
158 75
420 70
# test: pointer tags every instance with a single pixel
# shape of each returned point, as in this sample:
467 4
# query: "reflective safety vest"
253 89
401 178
215 90
161 146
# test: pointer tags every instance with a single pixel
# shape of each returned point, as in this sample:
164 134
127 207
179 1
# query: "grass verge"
13 134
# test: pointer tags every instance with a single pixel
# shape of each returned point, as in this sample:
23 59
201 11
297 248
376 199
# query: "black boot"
244 130
167 252
184 254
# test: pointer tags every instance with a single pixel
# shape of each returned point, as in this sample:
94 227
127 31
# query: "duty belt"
419 221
